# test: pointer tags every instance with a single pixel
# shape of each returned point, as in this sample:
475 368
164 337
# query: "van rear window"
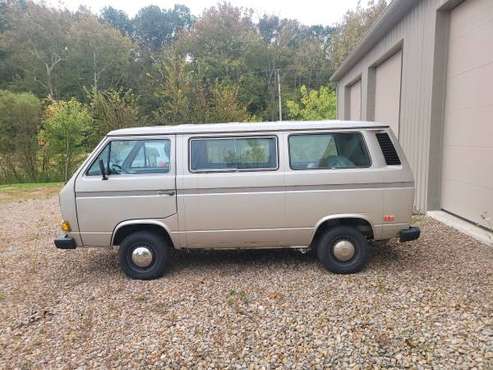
328 151
232 154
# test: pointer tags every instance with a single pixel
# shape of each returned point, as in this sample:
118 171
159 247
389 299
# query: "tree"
98 52
353 27
174 91
3 16
36 39
65 127
225 105
118 19
223 46
219 41
268 27
6 68
313 105
156 28
111 110
185 98
20 117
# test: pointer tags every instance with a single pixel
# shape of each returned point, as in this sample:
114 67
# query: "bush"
111 110
20 118
313 105
65 127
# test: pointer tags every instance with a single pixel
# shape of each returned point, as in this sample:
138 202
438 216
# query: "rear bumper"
65 242
407 235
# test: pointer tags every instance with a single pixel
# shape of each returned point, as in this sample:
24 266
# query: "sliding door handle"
166 192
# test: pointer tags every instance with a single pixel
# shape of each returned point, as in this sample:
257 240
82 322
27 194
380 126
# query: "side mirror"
102 169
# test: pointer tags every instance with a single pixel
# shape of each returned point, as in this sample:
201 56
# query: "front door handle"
166 192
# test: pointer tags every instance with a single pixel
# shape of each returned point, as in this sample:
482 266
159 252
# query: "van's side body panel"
313 195
397 201
231 209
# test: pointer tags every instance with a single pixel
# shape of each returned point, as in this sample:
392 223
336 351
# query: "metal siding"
416 32
388 92
355 102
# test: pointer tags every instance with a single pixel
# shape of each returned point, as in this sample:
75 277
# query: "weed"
489 223
235 297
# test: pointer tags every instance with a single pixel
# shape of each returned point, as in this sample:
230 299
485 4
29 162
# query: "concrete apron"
463 226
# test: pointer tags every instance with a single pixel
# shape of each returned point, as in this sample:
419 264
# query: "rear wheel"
144 255
343 250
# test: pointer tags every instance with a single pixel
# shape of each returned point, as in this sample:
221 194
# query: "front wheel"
343 250
144 255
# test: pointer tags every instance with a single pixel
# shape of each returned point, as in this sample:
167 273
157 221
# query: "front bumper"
65 242
407 235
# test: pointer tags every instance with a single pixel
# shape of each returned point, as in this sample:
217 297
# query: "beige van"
330 186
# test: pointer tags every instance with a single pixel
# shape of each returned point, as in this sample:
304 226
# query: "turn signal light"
66 226
388 218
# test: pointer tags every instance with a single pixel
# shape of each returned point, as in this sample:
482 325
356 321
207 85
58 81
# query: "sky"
309 12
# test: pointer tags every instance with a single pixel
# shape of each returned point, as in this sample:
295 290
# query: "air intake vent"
388 150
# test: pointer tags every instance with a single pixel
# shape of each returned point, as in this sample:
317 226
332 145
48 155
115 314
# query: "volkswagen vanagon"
329 186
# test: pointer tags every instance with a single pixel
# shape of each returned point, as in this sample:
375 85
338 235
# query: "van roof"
246 127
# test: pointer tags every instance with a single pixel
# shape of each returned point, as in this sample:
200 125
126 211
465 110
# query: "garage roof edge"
396 10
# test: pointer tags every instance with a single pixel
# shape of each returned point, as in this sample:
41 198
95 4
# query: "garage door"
355 101
467 174
388 92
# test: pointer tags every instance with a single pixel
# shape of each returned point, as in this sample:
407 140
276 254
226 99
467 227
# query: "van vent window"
388 150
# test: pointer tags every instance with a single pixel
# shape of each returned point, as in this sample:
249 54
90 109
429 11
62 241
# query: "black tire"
161 255
325 250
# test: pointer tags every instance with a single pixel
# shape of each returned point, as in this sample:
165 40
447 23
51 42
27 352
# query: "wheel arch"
125 228
361 222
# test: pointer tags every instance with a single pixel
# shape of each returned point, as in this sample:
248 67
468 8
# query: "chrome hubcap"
142 257
344 250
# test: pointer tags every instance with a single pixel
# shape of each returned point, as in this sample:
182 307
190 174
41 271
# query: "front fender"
159 223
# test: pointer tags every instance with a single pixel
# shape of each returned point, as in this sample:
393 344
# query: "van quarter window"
328 151
134 157
233 154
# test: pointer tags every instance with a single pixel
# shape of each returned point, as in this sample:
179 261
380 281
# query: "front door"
140 185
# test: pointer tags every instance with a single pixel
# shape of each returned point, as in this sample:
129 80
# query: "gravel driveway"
427 303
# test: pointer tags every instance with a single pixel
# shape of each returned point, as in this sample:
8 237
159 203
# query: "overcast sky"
308 12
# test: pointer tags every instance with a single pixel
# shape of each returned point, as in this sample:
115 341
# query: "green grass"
11 192
28 186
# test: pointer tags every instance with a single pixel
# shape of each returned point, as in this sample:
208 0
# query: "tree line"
67 78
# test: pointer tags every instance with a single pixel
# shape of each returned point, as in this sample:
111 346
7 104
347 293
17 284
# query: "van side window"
134 157
233 154
327 151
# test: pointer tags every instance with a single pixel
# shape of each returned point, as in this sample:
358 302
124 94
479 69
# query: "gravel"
423 304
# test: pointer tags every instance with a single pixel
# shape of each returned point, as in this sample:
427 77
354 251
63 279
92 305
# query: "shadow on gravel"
242 258
384 256
104 262
100 262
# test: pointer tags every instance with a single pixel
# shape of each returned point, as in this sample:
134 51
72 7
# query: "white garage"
354 101
467 172
388 91
426 68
